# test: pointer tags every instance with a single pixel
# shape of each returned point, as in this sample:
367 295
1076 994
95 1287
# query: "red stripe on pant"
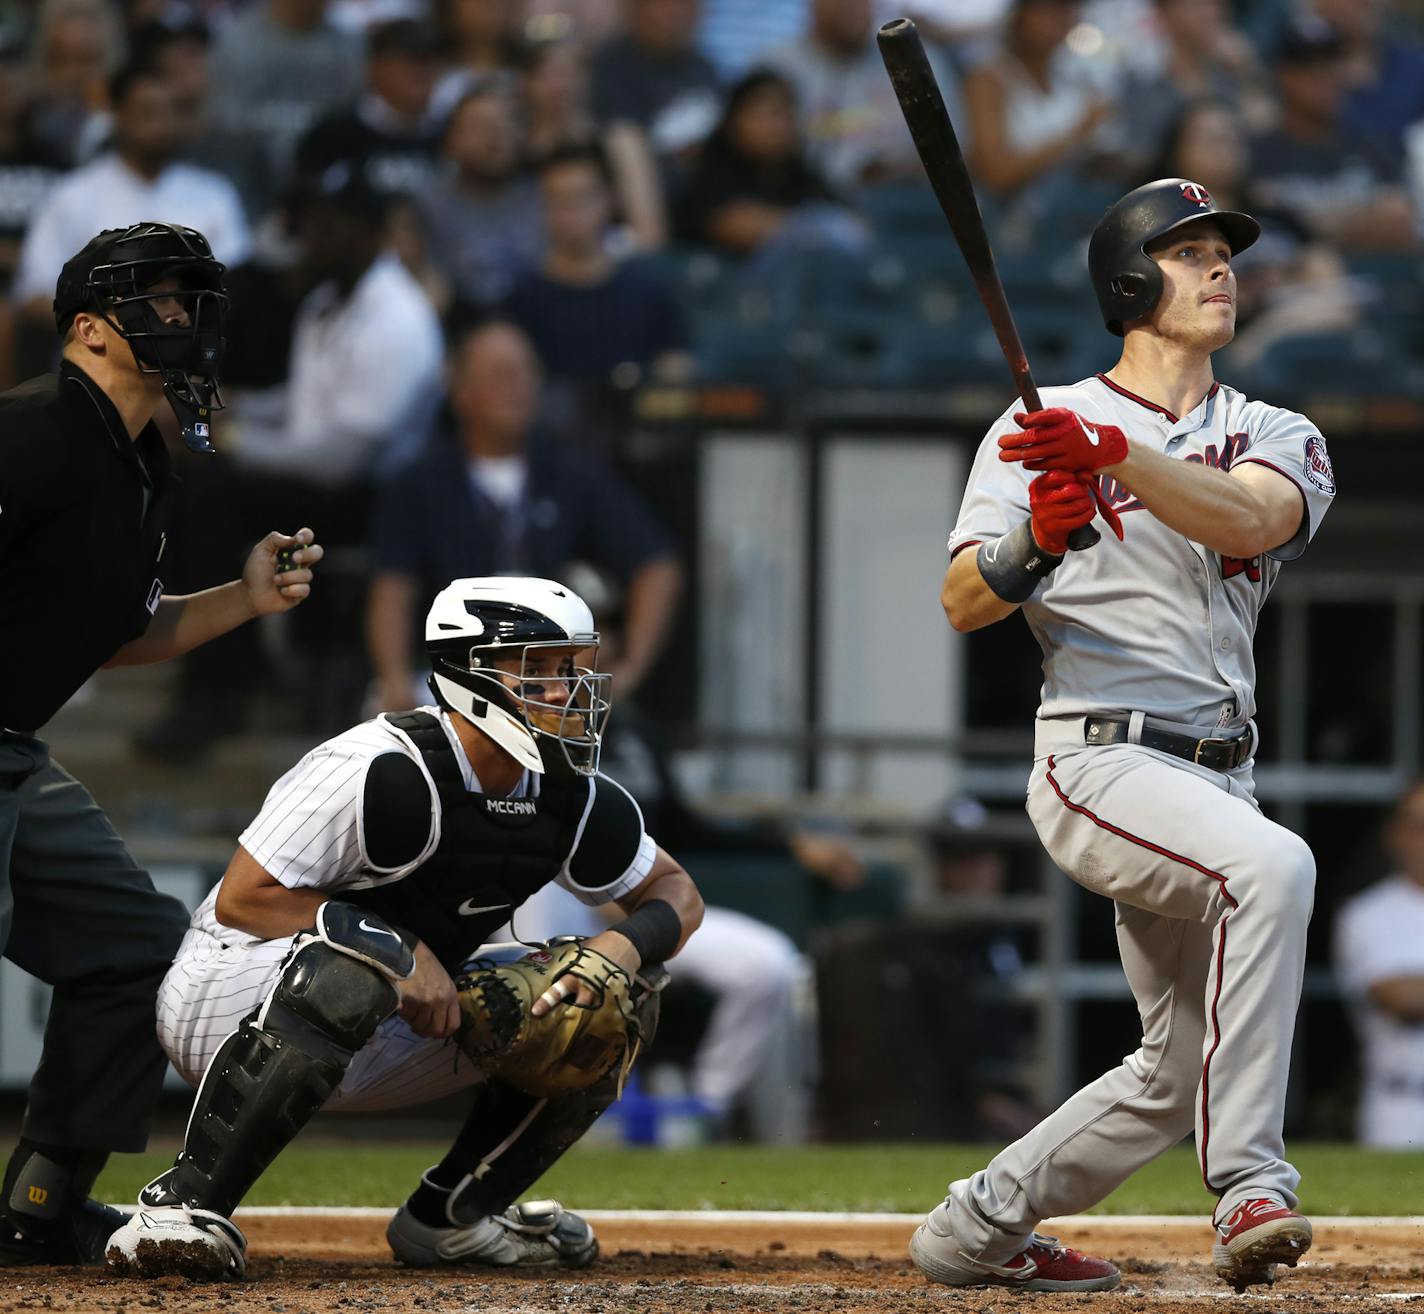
1220 945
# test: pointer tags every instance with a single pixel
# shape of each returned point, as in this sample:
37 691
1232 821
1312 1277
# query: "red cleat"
1043 1266
1255 1237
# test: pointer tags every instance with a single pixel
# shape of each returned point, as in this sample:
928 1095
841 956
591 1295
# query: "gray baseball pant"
79 914
1212 901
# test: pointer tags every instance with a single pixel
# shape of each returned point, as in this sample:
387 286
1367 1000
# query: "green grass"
1337 1179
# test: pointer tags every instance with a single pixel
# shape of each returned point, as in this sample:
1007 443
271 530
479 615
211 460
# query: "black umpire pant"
78 913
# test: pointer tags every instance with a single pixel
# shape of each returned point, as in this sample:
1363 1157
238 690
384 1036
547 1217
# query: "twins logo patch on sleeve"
1317 465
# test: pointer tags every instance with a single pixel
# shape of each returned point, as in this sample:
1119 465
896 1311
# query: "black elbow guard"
1013 565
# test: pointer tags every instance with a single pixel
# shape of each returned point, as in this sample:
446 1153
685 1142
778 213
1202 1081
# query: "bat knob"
897 27
1082 537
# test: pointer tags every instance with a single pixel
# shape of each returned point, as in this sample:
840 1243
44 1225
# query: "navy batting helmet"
1126 279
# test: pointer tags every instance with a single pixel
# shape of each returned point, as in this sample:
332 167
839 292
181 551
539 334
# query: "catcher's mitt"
569 1047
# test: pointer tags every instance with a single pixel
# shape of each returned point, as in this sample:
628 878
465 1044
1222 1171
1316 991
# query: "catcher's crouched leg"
263 1085
463 1212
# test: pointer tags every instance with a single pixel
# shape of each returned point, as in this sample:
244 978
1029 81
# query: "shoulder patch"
395 811
1317 465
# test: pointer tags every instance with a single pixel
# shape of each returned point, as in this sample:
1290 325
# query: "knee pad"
282 1064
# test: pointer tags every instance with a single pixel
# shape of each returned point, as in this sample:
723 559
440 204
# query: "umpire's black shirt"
83 510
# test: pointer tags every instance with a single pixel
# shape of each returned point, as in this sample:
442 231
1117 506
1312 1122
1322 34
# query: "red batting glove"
1060 439
1060 502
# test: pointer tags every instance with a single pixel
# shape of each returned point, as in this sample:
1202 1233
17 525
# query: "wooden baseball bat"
923 106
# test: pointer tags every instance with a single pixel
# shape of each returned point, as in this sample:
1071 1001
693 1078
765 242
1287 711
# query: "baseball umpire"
1142 786
329 967
85 491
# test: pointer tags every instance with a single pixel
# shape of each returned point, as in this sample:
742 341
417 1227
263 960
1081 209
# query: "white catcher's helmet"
525 625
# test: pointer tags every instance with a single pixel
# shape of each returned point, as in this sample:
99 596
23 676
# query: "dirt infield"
340 1265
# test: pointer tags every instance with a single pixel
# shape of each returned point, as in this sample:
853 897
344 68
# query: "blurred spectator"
589 316
480 39
1379 962
1032 112
1345 187
78 46
481 215
555 95
981 963
752 189
1201 55
29 166
735 34
1384 71
490 496
856 131
363 379
139 178
276 68
652 74
178 47
1289 282
390 132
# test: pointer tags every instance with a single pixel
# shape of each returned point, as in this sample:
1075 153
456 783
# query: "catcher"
337 964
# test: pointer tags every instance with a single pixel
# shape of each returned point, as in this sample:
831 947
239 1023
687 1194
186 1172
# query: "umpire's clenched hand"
428 1000
267 590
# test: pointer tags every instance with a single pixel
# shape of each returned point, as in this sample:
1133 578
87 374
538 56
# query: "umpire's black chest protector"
494 853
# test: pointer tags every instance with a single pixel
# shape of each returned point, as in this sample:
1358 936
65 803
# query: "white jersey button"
1225 645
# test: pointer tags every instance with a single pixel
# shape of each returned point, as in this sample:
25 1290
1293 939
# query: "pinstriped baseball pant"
1212 901
213 985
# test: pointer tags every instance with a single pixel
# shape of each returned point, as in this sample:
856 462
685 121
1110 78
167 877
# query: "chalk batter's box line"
772 1216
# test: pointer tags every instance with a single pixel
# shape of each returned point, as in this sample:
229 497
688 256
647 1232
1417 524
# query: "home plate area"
314 1261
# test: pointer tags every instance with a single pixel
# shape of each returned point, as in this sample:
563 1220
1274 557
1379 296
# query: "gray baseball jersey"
1155 623
1212 898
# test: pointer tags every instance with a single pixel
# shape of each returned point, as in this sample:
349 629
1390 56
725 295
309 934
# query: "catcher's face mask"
559 693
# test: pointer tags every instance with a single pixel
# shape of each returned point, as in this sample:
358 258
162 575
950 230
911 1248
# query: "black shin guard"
272 1074
510 1140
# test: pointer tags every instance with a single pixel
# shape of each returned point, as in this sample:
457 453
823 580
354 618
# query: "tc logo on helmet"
1196 192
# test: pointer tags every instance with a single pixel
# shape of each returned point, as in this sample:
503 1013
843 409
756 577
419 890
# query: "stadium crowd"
386 178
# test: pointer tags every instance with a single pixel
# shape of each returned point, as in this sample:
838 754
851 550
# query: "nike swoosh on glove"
1060 439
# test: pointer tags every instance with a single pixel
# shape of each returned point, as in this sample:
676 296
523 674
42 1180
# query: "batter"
1142 786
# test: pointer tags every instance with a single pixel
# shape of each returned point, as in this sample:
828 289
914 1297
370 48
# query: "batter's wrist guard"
1013 565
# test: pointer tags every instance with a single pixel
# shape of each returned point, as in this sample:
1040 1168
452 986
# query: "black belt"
1214 754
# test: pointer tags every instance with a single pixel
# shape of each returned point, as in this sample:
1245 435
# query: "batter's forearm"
1207 505
968 602
181 624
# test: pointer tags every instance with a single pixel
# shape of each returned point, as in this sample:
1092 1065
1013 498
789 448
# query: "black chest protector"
494 853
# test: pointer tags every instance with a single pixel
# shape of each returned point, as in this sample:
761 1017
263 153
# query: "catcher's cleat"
535 1234
1255 1237
77 1236
173 1240
1043 1265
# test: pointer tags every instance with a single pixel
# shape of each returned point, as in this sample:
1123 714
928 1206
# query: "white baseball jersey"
1380 934
1156 623
310 835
